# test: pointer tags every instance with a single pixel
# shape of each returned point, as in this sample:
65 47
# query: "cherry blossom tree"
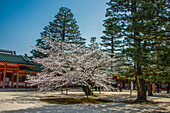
68 64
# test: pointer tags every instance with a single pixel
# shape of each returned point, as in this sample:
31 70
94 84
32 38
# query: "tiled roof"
35 68
15 59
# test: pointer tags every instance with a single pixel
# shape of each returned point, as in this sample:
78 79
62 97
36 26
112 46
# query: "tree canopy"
143 27
67 64
63 28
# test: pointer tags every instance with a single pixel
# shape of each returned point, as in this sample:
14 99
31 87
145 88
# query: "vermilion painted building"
13 69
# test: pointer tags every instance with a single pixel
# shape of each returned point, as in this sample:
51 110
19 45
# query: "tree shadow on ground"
92 108
162 96
115 106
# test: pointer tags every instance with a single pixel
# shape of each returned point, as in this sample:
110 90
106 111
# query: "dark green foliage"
112 40
93 44
63 28
142 27
36 53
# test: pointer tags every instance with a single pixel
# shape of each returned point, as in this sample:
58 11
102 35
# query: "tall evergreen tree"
158 59
64 28
137 21
111 41
93 42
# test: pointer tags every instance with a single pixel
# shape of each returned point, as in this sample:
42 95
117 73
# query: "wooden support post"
124 84
25 80
165 85
100 90
61 91
12 79
67 91
17 77
129 83
4 77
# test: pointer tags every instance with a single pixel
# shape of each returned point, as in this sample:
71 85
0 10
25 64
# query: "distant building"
14 69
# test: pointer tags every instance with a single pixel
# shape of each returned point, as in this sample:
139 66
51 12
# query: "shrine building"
14 69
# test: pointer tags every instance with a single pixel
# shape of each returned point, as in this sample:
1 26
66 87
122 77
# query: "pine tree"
157 60
111 41
139 22
63 28
93 42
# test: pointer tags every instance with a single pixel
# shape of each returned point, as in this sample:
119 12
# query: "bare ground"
28 101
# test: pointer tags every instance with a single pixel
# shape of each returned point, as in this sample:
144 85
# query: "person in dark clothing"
160 87
120 87
95 88
167 87
157 86
146 87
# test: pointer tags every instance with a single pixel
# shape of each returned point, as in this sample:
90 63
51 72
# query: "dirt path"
28 101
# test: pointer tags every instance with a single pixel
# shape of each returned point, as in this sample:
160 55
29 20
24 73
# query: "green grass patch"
75 100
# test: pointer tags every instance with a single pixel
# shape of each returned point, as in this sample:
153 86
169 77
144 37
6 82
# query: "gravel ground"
28 102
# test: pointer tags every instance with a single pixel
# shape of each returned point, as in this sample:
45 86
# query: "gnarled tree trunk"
141 91
87 90
149 87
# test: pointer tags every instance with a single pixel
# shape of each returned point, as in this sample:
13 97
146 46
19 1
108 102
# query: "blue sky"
21 21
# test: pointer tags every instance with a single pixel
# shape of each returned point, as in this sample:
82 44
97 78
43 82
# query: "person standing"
167 87
131 85
120 87
157 87
160 87
154 87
